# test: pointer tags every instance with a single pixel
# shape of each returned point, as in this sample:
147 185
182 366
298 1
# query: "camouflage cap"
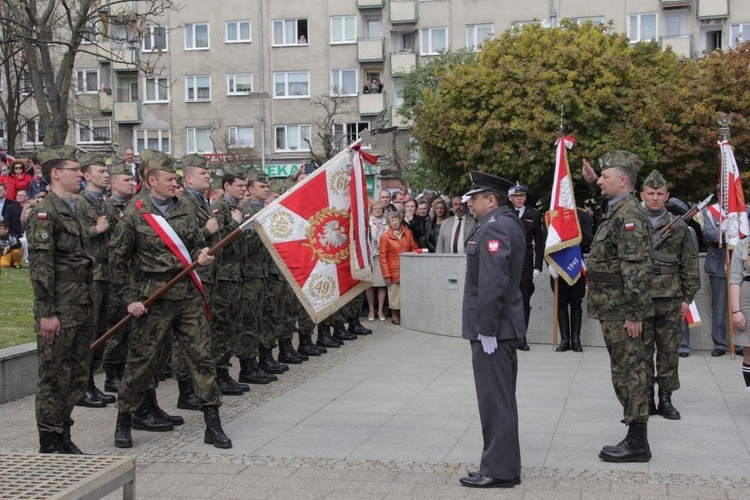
156 160
180 180
216 181
277 186
194 160
119 169
256 175
91 159
62 153
655 180
621 159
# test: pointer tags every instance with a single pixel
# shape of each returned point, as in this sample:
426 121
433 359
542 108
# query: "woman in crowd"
396 240
438 214
739 301
378 227
18 179
412 221
423 212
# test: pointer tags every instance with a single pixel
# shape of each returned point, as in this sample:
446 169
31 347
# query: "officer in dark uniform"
532 264
493 321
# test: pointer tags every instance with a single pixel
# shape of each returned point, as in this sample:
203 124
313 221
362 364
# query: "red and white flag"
692 316
732 198
317 233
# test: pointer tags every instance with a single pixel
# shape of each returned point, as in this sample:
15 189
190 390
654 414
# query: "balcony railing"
127 112
370 49
371 104
403 62
125 59
403 11
676 3
713 9
370 4
105 102
682 45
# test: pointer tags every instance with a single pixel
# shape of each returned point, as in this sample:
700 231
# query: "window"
292 137
477 33
595 20
642 27
290 32
346 133
87 81
238 32
241 137
94 130
154 39
403 41
196 36
673 24
433 40
2 133
151 139
343 29
739 33
199 140
292 85
372 26
25 83
197 88
239 84
31 133
90 31
157 89
343 82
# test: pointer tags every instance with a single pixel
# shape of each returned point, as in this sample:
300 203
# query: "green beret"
120 169
194 160
91 159
156 160
621 159
62 153
655 180
256 175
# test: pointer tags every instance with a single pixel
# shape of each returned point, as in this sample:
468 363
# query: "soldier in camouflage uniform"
180 311
674 283
116 348
98 220
619 273
60 268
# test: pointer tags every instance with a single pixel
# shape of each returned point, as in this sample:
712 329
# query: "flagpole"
560 135
185 272
724 121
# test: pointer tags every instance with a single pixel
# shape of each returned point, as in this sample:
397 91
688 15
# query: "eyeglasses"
17 168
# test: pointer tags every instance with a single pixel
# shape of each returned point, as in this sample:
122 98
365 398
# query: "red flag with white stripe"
692 316
732 197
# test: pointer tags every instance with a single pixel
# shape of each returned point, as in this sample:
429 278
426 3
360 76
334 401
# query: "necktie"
456 235
518 212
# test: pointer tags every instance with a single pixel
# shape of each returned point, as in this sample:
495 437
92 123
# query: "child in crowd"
10 248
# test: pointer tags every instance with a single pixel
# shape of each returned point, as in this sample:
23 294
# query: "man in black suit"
493 321
10 211
532 264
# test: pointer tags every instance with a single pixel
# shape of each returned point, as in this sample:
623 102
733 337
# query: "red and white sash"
165 232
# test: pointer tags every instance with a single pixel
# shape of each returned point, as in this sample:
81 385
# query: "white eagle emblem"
332 235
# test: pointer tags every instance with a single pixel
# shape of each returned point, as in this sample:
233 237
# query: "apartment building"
229 74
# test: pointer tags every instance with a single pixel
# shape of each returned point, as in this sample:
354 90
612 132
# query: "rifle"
669 228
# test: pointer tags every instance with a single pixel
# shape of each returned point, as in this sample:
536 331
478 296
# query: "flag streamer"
733 198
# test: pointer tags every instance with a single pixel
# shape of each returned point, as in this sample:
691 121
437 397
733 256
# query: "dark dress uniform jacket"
494 261
532 223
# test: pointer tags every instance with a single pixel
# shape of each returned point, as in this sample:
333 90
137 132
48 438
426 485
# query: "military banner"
732 198
317 234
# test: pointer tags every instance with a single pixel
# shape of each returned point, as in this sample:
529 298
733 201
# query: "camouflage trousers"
274 309
100 307
349 310
151 338
628 366
226 321
253 333
305 324
116 348
287 313
63 367
662 333
176 356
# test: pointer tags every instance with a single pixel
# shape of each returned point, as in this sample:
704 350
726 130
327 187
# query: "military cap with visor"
91 159
70 153
482 183
120 169
517 189
156 160
194 160
621 159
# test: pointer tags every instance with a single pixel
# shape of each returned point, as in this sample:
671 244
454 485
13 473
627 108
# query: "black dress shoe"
684 354
480 481
516 480
523 345
717 352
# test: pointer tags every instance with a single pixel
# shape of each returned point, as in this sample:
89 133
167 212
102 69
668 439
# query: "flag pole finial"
724 120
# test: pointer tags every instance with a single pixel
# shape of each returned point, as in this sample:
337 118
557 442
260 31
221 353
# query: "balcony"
370 4
370 49
371 104
403 11
403 62
125 59
682 45
666 4
105 102
713 9
127 112
397 120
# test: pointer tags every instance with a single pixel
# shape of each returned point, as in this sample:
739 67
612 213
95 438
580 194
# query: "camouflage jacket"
676 271
256 260
135 243
88 210
118 208
60 265
201 213
229 263
620 268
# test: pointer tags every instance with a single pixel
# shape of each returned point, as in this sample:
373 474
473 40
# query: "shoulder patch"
41 234
116 232
629 226
493 246
41 215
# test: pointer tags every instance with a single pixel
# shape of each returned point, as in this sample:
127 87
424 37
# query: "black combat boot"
146 419
187 399
214 433
124 424
564 321
51 442
575 330
287 354
650 400
251 373
356 328
307 347
91 397
267 363
114 377
325 339
227 384
68 445
107 398
634 448
173 419
340 333
665 408
167 373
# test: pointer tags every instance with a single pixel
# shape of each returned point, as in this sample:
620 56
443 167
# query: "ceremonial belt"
658 270
74 277
604 277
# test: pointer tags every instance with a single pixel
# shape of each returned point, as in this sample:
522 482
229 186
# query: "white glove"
489 344
537 272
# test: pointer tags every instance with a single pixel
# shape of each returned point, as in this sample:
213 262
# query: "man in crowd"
493 322
10 211
129 161
454 231
674 283
532 264
620 270
715 266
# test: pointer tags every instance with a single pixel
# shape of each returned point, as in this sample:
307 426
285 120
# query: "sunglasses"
17 168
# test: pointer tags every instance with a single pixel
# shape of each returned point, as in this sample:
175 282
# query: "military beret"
517 189
194 160
655 180
621 159
156 160
120 169
62 153
482 182
256 175
87 159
